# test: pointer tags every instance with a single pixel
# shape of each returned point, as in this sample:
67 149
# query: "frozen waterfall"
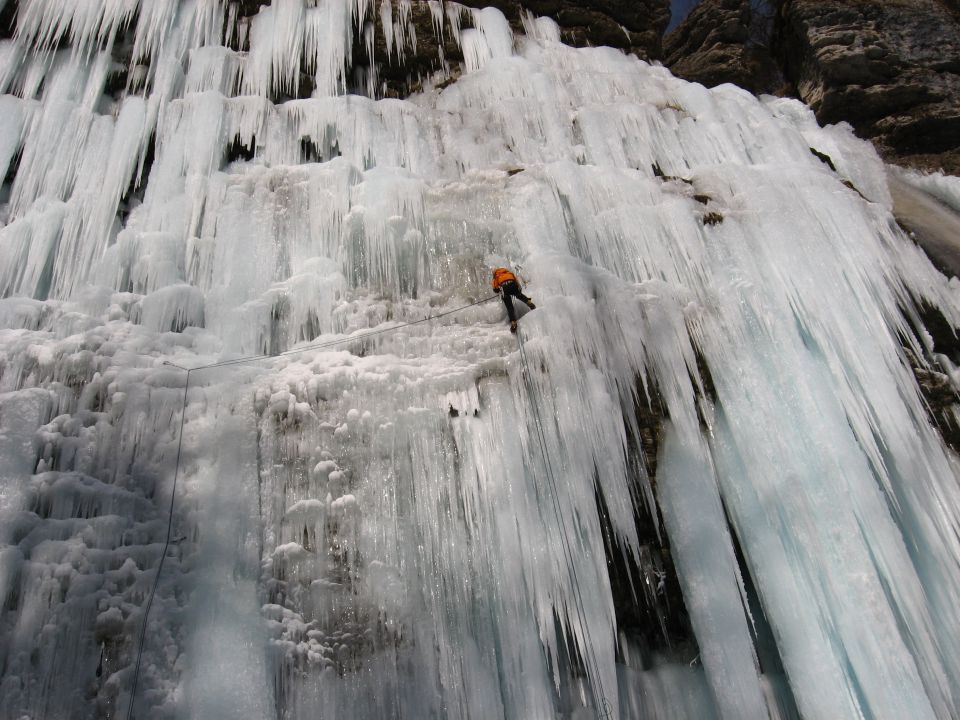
709 487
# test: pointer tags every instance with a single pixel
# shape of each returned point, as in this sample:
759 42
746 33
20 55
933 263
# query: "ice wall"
424 522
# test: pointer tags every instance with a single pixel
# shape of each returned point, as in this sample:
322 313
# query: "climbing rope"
176 474
592 668
342 341
166 546
596 684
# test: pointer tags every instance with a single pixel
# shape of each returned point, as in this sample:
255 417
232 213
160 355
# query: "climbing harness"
593 673
176 474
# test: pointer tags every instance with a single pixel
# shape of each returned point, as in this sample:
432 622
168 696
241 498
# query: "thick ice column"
227 676
213 68
818 580
382 245
713 590
490 38
104 176
276 48
502 498
833 481
11 130
27 249
23 412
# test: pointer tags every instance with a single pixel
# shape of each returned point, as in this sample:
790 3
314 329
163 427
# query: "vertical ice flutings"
372 529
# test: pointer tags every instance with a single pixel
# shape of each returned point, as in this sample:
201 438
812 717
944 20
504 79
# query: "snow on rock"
290 552
345 504
323 469
109 624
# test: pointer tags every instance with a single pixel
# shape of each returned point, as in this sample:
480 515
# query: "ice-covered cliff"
708 487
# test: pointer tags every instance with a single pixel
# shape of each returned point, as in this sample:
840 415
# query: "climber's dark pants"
509 290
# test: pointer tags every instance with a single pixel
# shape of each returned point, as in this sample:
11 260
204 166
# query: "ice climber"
505 283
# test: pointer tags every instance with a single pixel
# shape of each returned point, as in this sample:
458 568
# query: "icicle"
455 13
90 25
437 18
155 22
213 68
386 24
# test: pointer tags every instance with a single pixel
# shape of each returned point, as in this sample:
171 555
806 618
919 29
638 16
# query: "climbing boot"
513 326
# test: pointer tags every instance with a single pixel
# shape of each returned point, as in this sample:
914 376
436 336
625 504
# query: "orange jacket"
502 275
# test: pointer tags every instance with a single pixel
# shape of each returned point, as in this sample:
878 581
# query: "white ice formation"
417 524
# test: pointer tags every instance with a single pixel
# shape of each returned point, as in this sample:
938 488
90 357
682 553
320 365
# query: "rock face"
721 42
891 68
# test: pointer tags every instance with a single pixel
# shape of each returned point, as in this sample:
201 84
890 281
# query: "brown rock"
891 68
717 43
